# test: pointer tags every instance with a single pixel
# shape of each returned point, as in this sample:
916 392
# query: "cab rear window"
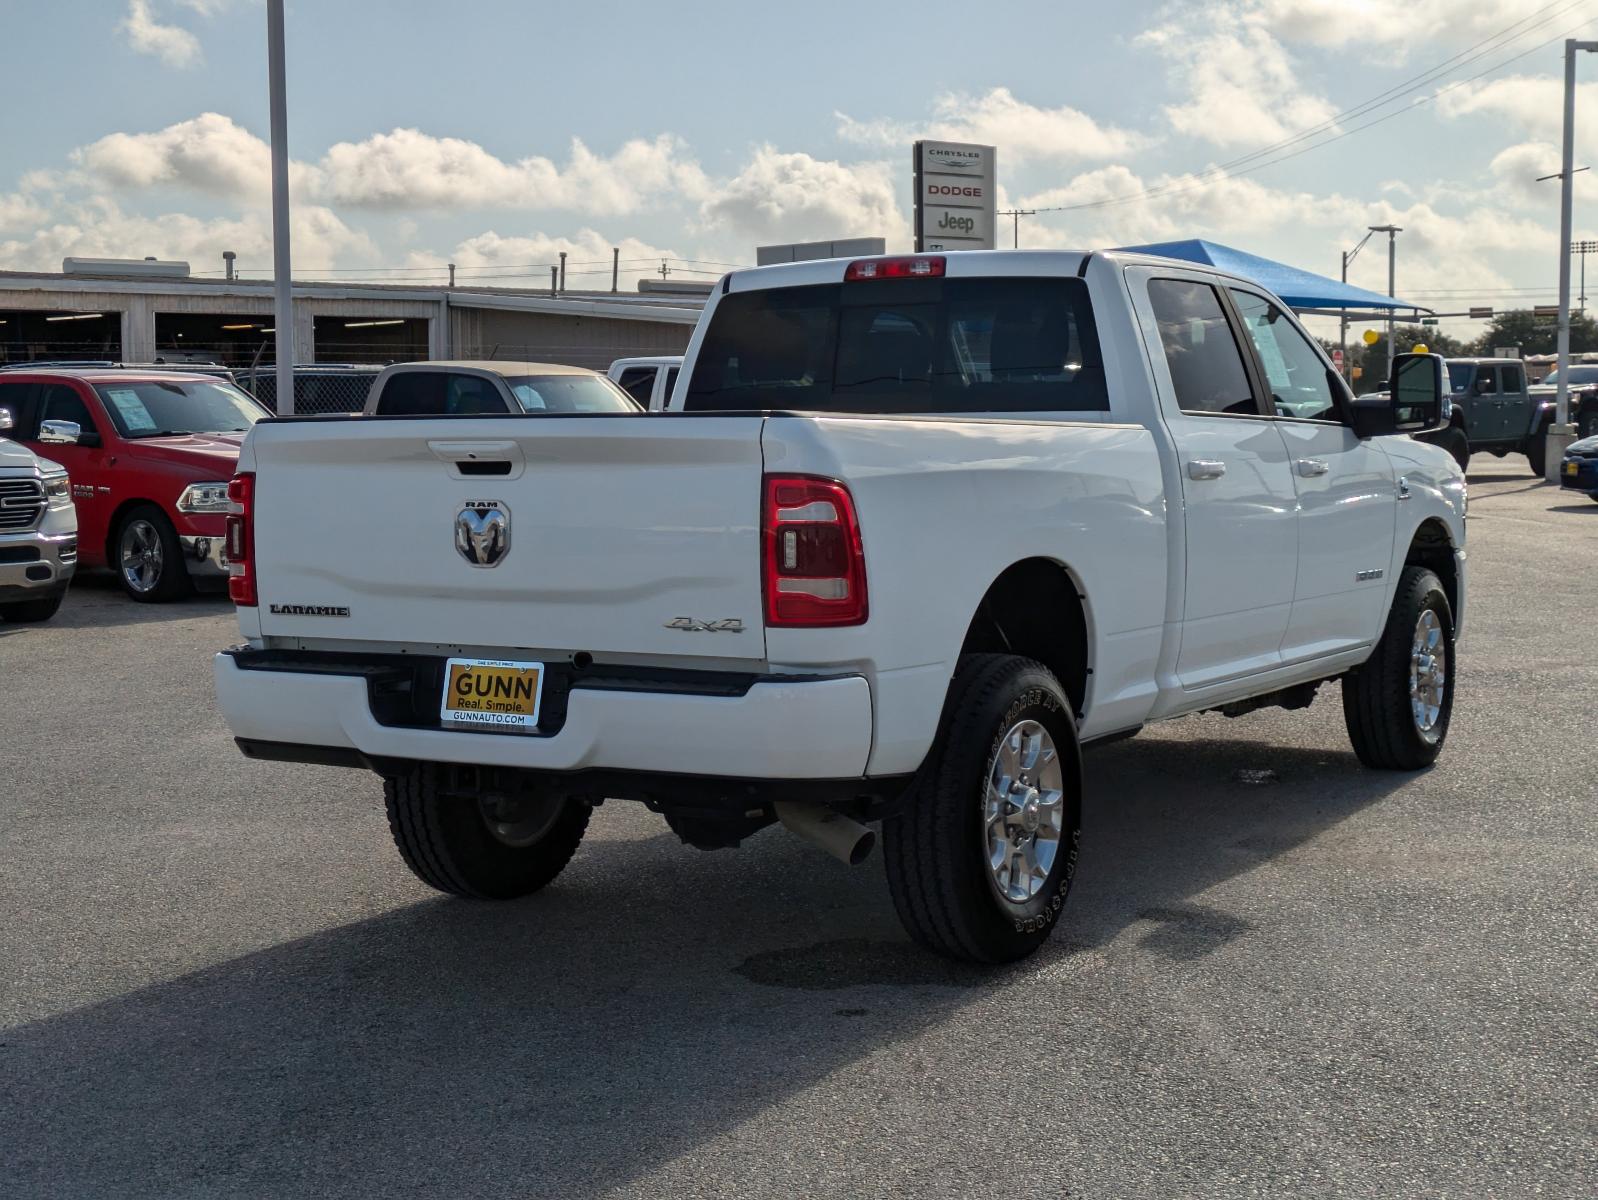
903 346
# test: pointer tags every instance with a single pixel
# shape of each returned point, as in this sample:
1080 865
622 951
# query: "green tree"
1535 335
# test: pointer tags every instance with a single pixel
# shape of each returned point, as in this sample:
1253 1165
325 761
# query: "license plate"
487 693
1571 469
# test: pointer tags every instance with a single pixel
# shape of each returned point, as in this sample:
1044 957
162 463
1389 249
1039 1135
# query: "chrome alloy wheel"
1023 811
1428 674
139 556
519 821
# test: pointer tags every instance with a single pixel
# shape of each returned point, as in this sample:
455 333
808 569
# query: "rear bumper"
783 729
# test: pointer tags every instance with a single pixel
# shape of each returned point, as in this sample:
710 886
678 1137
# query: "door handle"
1309 468
1205 468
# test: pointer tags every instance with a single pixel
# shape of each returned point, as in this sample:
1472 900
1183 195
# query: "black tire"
1589 421
1454 441
1537 451
26 611
446 839
170 576
935 847
1376 697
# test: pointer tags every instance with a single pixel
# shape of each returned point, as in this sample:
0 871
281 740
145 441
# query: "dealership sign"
954 191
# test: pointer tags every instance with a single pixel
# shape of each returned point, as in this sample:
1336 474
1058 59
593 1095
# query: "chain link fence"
317 389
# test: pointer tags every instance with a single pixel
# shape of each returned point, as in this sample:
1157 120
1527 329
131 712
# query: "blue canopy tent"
1303 291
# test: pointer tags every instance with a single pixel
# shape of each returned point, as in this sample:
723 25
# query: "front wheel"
1454 441
1398 704
981 856
32 610
483 846
148 558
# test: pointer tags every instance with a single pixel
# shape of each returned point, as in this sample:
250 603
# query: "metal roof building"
132 311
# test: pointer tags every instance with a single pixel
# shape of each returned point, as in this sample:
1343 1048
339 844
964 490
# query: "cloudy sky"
494 133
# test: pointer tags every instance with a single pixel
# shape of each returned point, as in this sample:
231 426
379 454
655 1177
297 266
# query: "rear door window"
994 345
1511 379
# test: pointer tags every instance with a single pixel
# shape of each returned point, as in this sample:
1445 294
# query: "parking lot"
1279 973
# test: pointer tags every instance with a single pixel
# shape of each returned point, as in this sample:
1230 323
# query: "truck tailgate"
621 528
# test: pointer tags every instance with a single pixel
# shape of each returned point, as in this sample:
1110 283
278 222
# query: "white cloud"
18 211
407 168
173 45
1243 88
209 153
98 227
1339 23
1020 130
1533 104
782 197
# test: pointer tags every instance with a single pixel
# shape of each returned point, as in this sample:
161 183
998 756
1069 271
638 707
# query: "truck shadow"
95 601
651 1001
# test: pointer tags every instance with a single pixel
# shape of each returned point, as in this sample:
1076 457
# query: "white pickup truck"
912 532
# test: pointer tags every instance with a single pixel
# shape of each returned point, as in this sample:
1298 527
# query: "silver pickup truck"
38 532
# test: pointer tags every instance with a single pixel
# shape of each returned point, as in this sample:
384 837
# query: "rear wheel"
479 845
981 856
148 558
32 610
1537 451
1397 705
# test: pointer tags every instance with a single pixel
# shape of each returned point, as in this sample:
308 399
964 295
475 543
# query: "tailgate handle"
474 460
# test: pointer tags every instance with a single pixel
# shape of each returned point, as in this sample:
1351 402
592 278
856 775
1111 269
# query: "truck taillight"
241 540
814 568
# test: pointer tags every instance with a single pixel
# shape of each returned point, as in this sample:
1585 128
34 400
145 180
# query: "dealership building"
131 310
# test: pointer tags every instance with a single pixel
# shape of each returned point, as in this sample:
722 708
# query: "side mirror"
6 421
1419 401
60 433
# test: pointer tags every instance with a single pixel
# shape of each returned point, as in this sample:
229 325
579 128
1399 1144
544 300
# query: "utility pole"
615 266
563 270
1016 214
282 275
1392 232
1560 434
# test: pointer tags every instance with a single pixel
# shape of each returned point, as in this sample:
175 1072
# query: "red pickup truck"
149 455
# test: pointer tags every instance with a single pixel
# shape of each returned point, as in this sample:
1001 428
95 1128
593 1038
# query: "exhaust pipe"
842 837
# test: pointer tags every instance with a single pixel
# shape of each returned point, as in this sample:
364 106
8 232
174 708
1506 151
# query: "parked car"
150 454
1579 468
1583 396
647 380
1494 411
476 388
38 531
318 387
913 532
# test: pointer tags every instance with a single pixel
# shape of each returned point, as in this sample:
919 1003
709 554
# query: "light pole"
1560 434
282 278
1342 333
1392 232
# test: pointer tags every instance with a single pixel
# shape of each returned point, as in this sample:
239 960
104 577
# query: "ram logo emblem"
482 532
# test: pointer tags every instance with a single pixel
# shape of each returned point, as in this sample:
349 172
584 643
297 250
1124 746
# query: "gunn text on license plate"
486 693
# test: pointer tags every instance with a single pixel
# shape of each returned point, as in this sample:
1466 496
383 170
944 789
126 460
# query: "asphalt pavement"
1279 974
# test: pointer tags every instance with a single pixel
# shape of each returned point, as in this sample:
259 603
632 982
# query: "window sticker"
134 415
1270 353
